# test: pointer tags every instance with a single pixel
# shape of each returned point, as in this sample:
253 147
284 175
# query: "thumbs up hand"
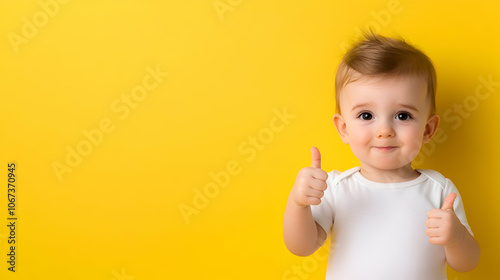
443 226
310 183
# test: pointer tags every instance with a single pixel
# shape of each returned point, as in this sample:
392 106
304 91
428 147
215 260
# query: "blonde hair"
379 56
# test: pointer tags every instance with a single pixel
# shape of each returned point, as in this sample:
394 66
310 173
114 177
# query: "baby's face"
385 121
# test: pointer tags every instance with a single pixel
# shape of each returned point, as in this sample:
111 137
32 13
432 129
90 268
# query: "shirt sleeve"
458 205
324 213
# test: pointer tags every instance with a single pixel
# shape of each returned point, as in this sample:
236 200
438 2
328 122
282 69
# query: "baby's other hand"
443 226
310 183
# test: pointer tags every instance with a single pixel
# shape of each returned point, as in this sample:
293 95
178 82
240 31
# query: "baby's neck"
403 174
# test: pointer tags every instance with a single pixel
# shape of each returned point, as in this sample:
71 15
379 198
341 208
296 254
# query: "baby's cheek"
414 152
414 142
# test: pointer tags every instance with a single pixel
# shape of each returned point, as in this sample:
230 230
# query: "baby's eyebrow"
409 106
361 105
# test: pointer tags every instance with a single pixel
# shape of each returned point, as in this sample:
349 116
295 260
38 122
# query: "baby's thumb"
316 158
448 202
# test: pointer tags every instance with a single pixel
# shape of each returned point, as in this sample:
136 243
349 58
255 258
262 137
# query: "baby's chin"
402 168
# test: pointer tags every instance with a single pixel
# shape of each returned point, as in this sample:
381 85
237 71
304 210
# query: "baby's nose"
385 130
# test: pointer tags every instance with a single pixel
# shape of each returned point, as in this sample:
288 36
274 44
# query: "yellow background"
232 65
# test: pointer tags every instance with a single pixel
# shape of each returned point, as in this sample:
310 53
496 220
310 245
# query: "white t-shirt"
379 228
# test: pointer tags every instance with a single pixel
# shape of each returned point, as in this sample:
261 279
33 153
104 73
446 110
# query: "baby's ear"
431 128
341 127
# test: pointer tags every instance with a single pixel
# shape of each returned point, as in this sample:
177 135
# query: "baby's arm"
303 236
444 228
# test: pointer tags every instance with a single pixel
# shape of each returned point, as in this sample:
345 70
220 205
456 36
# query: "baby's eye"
365 116
403 116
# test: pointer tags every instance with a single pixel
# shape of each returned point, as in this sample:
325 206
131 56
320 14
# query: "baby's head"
385 104
382 57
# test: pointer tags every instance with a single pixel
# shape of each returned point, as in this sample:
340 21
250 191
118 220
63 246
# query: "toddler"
387 220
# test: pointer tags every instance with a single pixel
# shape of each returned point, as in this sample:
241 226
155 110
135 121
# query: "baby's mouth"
385 148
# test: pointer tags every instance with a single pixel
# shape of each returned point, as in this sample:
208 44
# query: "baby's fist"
310 183
443 226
